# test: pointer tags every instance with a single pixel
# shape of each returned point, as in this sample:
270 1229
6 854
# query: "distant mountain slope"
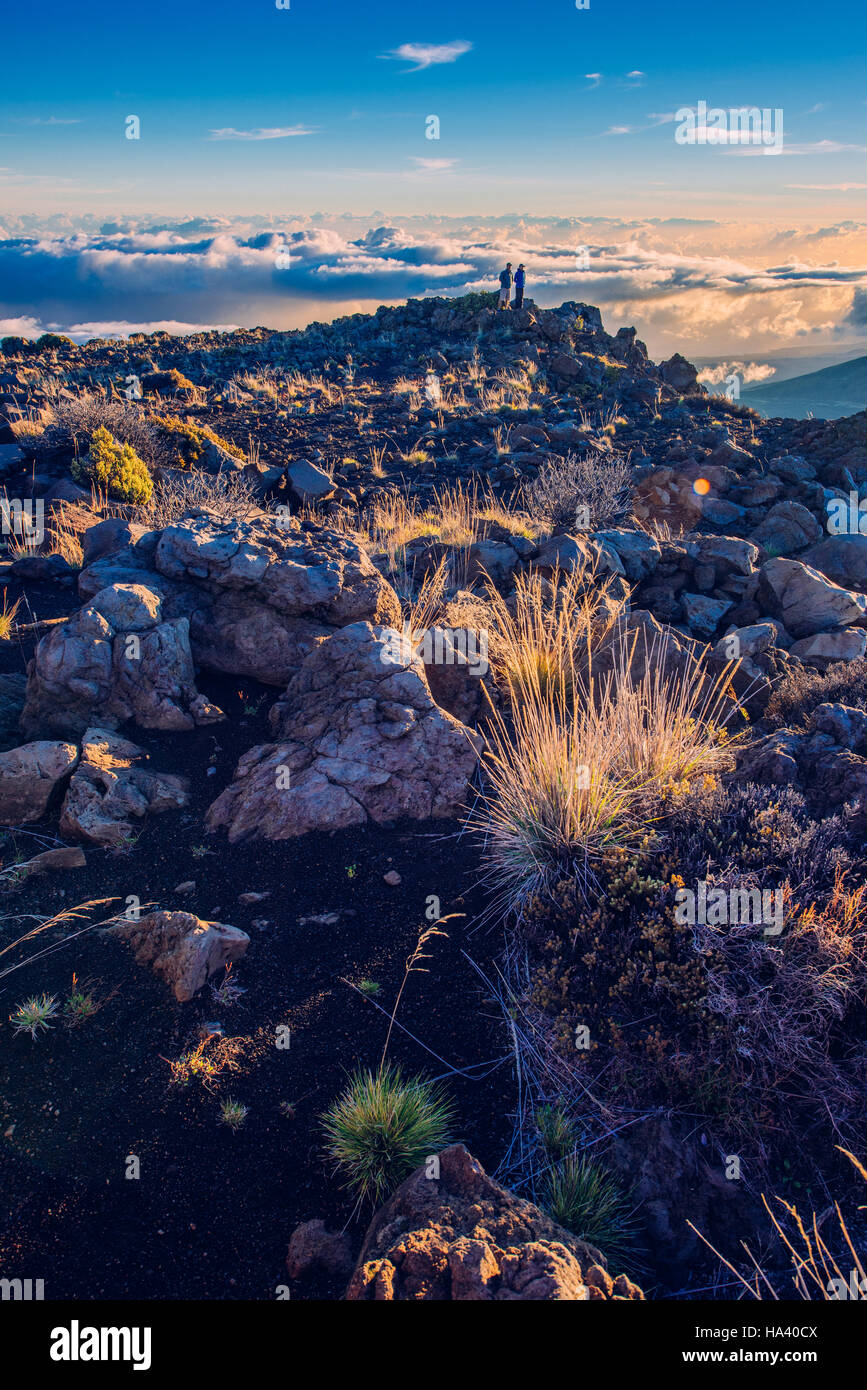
828 394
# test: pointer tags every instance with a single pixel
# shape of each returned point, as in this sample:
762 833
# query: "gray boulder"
361 738
805 601
28 777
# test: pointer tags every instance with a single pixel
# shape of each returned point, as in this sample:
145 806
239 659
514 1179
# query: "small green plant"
232 1113
200 851
383 1126
351 870
81 1004
125 844
114 468
369 987
33 1015
589 1201
555 1131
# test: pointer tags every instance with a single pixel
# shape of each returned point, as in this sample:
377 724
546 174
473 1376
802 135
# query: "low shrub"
114 468
802 689
591 490
165 383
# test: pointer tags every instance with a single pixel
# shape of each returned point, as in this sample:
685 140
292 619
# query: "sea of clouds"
676 280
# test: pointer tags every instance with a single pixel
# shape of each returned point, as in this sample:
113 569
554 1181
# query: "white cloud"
683 279
47 120
815 147
747 371
829 187
433 166
283 132
425 55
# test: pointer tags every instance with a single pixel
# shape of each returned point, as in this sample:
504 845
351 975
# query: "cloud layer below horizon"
696 284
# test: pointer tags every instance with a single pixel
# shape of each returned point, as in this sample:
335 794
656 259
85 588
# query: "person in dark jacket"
505 286
519 286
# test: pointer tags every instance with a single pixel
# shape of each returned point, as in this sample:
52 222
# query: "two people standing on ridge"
506 285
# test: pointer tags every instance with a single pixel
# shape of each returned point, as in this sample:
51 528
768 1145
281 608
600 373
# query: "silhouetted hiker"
505 286
519 286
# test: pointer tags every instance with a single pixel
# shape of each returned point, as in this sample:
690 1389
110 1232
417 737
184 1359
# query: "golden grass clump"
601 728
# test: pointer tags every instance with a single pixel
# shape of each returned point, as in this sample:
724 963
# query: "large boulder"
842 559
805 601
361 738
260 593
727 554
680 374
309 483
115 660
181 949
458 1236
785 527
29 775
824 648
110 792
639 552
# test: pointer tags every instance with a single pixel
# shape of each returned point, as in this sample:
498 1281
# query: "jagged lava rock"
29 775
462 1237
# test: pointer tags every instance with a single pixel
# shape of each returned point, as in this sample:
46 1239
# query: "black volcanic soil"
211 1214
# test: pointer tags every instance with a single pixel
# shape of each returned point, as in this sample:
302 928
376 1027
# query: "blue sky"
523 128
307 126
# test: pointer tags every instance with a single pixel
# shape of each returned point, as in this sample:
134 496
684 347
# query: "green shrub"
116 468
589 1201
53 340
383 1126
15 347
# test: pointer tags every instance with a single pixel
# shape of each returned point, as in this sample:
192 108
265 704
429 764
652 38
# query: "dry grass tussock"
456 516
587 751
229 495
